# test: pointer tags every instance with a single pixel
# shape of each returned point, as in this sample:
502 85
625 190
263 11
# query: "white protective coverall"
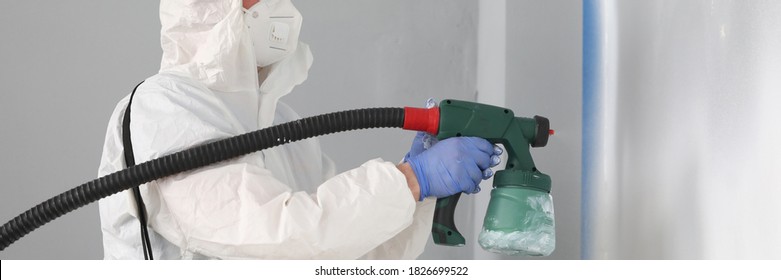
281 203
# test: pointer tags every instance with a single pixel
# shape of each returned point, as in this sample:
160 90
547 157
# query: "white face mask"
274 27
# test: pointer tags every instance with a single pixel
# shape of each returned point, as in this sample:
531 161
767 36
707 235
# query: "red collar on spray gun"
422 119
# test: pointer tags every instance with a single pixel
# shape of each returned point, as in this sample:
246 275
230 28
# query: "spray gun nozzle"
543 131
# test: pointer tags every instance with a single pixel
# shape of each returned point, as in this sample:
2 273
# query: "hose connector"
422 119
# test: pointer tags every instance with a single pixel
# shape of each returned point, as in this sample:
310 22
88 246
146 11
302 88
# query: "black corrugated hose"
194 158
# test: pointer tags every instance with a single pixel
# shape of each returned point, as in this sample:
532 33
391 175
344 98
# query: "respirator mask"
273 26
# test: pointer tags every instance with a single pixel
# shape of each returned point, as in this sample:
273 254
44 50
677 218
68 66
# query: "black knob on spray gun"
519 219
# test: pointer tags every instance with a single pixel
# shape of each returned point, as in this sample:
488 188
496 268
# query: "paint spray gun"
519 219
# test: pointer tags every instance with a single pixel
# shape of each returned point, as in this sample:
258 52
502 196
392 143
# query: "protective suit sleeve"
238 209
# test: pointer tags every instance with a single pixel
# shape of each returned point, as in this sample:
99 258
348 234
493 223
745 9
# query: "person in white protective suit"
219 77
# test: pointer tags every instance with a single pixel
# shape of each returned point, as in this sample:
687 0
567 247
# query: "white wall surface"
682 154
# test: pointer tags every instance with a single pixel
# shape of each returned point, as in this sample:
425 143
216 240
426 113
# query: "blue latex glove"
452 166
419 145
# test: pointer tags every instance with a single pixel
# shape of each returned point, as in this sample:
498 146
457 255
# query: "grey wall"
530 62
384 53
544 57
66 64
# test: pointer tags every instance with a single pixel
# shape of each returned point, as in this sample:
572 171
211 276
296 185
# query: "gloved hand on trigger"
423 141
452 165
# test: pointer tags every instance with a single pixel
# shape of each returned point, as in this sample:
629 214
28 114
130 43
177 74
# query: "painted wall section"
681 160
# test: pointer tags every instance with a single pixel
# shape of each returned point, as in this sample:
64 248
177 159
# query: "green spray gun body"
519 218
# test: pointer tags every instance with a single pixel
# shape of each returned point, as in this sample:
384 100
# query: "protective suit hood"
208 41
